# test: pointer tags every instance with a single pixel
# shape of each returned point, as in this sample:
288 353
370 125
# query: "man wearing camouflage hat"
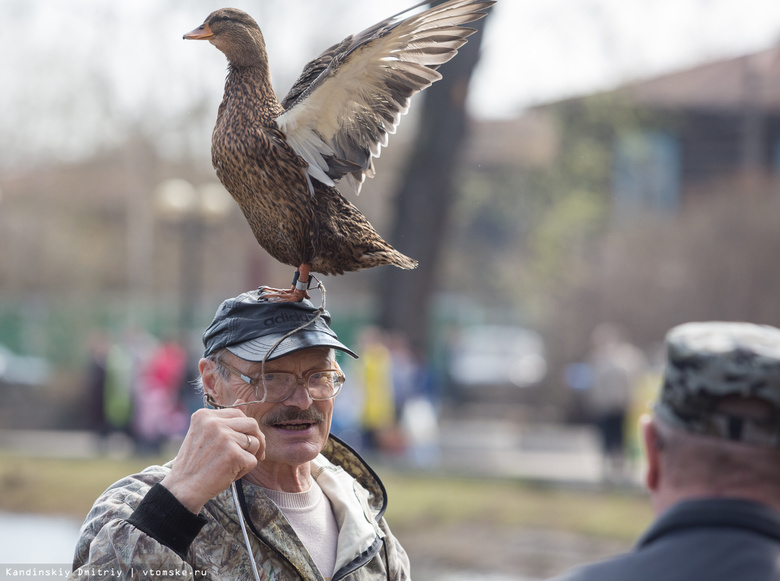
713 454
259 488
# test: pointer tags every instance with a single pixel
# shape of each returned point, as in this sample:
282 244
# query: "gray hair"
214 358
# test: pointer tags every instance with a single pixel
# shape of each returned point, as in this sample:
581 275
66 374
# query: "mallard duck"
282 161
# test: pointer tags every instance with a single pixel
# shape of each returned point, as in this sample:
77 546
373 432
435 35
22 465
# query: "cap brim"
256 349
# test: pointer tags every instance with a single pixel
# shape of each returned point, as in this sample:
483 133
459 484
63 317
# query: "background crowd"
141 387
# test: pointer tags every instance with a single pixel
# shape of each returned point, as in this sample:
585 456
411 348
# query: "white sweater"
311 516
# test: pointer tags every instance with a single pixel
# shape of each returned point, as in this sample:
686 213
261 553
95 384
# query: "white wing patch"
350 110
306 143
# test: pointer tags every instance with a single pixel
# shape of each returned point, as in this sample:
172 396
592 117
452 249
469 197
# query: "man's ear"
651 441
208 374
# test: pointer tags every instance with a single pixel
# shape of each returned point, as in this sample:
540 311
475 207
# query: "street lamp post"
192 210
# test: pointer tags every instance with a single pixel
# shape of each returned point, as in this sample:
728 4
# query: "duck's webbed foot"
300 285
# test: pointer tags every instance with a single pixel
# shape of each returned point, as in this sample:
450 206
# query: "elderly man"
713 453
304 505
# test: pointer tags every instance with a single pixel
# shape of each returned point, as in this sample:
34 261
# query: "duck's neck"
248 66
251 86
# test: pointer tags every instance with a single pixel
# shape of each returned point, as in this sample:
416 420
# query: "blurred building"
712 122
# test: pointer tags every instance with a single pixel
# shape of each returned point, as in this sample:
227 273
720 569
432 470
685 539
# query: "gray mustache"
310 416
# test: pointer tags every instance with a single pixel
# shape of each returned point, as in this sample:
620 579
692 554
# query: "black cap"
249 326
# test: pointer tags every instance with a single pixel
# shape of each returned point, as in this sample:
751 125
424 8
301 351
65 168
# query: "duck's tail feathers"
389 257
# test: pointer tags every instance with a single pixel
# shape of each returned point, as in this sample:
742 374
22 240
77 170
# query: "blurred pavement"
545 452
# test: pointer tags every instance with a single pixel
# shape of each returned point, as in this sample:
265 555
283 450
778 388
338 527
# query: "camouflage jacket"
210 546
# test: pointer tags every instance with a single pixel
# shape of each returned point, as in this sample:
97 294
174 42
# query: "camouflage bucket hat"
709 361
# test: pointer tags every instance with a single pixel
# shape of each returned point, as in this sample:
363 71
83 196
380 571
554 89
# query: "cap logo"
287 318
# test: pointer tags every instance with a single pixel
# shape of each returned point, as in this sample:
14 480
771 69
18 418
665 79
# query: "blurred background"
588 174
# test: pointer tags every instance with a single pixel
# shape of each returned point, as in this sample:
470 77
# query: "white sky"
562 47
63 61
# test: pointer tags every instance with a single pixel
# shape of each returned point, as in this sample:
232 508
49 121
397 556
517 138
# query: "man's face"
295 429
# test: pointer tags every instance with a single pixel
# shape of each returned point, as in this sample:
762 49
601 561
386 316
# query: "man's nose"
300 397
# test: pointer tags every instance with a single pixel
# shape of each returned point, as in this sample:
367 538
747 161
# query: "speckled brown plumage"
281 161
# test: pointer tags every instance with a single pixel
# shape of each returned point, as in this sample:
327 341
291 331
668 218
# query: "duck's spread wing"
342 109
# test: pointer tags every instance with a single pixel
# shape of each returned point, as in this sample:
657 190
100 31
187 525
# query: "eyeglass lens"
280 385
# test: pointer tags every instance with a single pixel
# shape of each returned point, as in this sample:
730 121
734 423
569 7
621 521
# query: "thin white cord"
320 310
233 485
243 530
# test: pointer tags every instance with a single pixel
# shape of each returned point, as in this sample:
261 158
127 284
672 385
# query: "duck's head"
235 33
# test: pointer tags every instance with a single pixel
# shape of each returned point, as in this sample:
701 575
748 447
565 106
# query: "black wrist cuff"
161 516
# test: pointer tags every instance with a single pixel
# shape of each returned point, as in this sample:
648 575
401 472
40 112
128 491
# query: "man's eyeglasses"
277 386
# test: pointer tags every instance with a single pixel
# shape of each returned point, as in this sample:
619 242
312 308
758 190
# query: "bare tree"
426 196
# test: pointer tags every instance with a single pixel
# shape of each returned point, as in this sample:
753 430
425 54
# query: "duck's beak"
203 32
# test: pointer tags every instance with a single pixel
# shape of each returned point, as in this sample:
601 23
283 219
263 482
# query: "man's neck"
282 477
